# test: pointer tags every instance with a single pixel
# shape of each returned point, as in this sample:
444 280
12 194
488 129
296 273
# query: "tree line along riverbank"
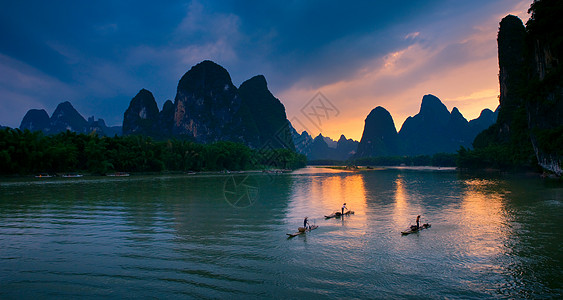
26 152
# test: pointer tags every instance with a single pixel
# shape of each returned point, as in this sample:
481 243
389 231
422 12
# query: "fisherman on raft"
344 208
306 223
417 226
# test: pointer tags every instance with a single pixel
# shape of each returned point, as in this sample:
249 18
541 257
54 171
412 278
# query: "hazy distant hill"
64 118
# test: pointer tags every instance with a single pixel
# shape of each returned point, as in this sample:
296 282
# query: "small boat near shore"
72 175
413 229
302 230
43 175
339 214
118 174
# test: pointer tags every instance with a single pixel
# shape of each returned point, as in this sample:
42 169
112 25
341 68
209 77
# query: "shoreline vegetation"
25 153
68 154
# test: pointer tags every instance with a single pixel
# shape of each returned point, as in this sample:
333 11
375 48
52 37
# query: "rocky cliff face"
207 105
530 116
380 136
511 129
544 95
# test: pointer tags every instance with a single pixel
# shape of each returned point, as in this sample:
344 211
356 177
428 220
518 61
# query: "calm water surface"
224 236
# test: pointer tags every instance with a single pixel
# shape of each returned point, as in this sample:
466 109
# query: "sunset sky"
357 54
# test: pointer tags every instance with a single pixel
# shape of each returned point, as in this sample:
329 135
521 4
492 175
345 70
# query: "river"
224 236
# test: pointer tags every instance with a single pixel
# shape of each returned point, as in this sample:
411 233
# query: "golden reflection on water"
333 191
400 210
483 211
318 196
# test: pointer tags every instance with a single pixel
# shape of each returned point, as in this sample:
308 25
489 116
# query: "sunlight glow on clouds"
462 72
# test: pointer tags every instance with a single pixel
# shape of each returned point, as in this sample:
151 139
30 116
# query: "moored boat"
72 175
43 175
118 174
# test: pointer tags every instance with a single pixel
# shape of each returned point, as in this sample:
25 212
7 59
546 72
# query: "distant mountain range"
209 108
433 130
64 118
323 148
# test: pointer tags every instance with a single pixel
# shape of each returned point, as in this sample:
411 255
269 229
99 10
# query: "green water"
224 236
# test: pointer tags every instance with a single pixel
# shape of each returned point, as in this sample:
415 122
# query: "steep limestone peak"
144 105
205 76
432 107
380 135
142 113
34 120
65 117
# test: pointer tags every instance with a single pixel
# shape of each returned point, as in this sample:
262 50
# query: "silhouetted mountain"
301 141
64 118
101 128
141 116
458 132
207 106
512 73
346 148
166 119
318 149
379 137
425 133
35 120
330 142
484 121
433 130
268 115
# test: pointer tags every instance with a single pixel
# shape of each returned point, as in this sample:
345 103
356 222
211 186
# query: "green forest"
26 152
